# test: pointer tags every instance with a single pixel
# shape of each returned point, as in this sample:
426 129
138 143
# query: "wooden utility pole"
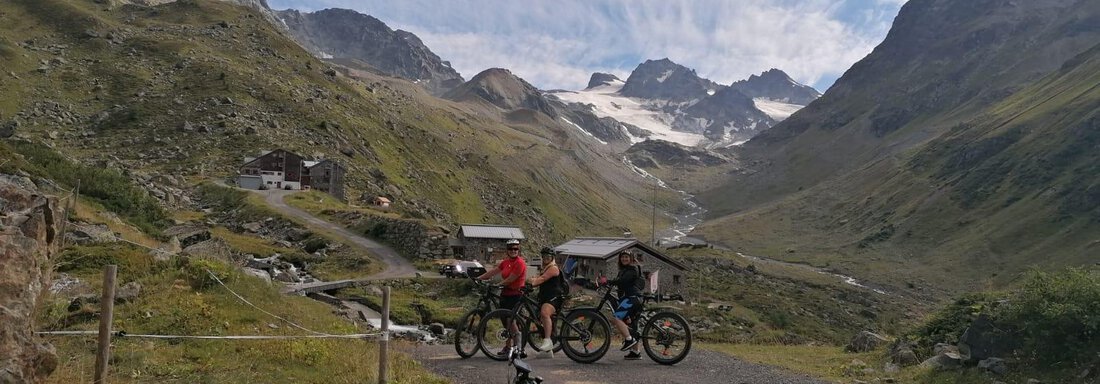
653 223
106 315
384 341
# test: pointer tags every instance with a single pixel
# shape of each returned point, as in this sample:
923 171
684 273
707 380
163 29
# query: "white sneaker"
547 346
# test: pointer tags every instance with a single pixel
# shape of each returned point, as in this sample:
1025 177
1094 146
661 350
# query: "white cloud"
558 44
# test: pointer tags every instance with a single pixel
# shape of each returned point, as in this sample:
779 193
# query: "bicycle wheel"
466 335
495 331
585 336
667 338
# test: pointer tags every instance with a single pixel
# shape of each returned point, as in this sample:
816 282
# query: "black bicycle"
665 335
584 335
467 341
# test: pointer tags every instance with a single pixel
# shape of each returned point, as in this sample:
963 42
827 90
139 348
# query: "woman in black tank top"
549 283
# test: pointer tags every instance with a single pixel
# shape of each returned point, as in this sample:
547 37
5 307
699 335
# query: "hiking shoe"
627 344
633 355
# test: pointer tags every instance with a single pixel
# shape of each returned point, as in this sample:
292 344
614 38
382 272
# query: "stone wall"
29 238
413 239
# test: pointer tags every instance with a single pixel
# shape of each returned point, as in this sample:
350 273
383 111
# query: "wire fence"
106 315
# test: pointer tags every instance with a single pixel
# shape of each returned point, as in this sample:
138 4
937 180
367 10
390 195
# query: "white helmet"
512 242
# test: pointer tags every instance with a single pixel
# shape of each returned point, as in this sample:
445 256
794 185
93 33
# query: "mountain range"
673 103
666 93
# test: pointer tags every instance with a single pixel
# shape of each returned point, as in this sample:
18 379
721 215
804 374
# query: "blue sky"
558 44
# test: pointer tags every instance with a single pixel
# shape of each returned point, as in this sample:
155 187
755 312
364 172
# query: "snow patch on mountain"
664 76
776 109
606 102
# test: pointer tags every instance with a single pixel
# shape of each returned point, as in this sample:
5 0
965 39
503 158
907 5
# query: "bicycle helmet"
548 251
512 242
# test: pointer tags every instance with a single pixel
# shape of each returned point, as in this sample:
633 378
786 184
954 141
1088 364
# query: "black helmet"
548 251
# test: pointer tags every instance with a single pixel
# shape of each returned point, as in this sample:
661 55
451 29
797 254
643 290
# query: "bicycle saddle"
521 366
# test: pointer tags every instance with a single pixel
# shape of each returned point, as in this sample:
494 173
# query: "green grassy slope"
193 87
1016 186
172 304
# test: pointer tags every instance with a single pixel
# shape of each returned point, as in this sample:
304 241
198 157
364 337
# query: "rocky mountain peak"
503 89
776 85
664 79
346 34
600 79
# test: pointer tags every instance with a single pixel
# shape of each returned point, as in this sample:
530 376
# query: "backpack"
564 281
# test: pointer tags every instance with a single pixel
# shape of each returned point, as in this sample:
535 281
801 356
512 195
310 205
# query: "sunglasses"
513 249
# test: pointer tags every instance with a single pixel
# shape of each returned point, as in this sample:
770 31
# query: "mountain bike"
583 335
665 335
467 341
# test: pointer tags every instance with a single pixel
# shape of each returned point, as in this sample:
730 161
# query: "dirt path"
701 367
396 265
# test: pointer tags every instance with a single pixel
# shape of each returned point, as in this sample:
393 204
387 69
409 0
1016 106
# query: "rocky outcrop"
503 89
865 341
601 79
775 85
346 34
29 237
413 239
727 112
666 80
657 153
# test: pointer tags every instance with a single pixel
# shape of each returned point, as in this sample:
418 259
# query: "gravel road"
396 266
700 367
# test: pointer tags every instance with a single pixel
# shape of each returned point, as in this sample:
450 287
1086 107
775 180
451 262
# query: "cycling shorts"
510 302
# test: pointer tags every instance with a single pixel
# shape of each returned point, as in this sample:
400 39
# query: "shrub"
948 324
105 186
195 271
314 244
1057 315
1054 317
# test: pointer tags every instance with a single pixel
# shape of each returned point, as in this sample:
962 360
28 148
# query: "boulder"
29 239
865 342
84 233
7 129
189 235
943 361
252 227
902 354
994 365
128 292
436 329
262 275
982 340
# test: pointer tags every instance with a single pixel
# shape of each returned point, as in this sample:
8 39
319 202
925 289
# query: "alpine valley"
933 216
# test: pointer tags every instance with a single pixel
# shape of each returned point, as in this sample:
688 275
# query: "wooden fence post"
384 341
106 315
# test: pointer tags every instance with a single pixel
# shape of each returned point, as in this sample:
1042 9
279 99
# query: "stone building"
484 242
599 255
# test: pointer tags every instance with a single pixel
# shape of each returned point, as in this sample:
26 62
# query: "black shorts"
510 302
555 301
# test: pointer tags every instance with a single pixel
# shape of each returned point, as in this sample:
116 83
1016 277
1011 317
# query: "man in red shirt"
513 272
